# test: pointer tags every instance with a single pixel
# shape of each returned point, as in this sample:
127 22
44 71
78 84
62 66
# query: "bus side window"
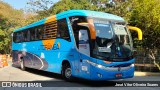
39 32
22 36
28 35
25 35
15 37
35 33
18 37
44 36
32 34
63 31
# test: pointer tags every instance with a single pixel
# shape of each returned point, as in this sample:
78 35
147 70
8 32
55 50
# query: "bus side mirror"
138 30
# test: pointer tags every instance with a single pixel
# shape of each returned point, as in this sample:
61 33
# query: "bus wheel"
22 65
67 72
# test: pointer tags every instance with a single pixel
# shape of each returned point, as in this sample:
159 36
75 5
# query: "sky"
20 4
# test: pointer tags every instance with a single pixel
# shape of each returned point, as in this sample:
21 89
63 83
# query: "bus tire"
67 72
22 65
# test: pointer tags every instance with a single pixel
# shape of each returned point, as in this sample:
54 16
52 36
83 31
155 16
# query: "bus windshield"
113 41
103 31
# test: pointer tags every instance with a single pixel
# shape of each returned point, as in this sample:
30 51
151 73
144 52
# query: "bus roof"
69 13
90 14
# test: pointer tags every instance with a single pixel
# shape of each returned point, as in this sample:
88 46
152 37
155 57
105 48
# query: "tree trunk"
152 56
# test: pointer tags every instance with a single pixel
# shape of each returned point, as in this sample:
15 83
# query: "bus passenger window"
32 31
63 31
39 32
28 35
36 33
15 37
49 30
22 36
18 37
25 35
44 36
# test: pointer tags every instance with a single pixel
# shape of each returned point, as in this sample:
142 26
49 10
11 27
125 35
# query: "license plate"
118 75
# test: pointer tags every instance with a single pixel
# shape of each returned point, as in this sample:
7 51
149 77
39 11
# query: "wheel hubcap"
21 64
68 73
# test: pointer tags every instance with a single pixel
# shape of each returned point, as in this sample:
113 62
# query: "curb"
137 73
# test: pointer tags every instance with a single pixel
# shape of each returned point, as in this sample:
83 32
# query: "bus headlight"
99 66
132 65
96 65
92 63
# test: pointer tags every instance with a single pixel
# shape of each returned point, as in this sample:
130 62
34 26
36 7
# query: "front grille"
123 65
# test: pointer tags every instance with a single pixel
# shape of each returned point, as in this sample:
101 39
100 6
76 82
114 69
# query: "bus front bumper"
102 74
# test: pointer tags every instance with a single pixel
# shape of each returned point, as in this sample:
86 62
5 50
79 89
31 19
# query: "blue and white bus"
76 43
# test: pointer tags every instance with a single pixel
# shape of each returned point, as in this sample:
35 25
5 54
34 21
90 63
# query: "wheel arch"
65 62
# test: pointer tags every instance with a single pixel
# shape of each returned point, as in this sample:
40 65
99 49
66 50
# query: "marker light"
107 62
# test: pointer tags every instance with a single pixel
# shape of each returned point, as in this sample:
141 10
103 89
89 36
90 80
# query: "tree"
5 25
40 7
10 19
145 14
65 5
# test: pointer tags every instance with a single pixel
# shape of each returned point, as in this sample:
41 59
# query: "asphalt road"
55 81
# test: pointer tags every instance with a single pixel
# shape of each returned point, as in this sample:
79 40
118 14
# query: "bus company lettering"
54 47
49 45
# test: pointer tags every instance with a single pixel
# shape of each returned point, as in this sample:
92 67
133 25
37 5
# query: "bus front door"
84 49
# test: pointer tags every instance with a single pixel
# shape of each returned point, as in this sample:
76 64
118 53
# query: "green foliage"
65 5
146 15
62 5
9 20
41 7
